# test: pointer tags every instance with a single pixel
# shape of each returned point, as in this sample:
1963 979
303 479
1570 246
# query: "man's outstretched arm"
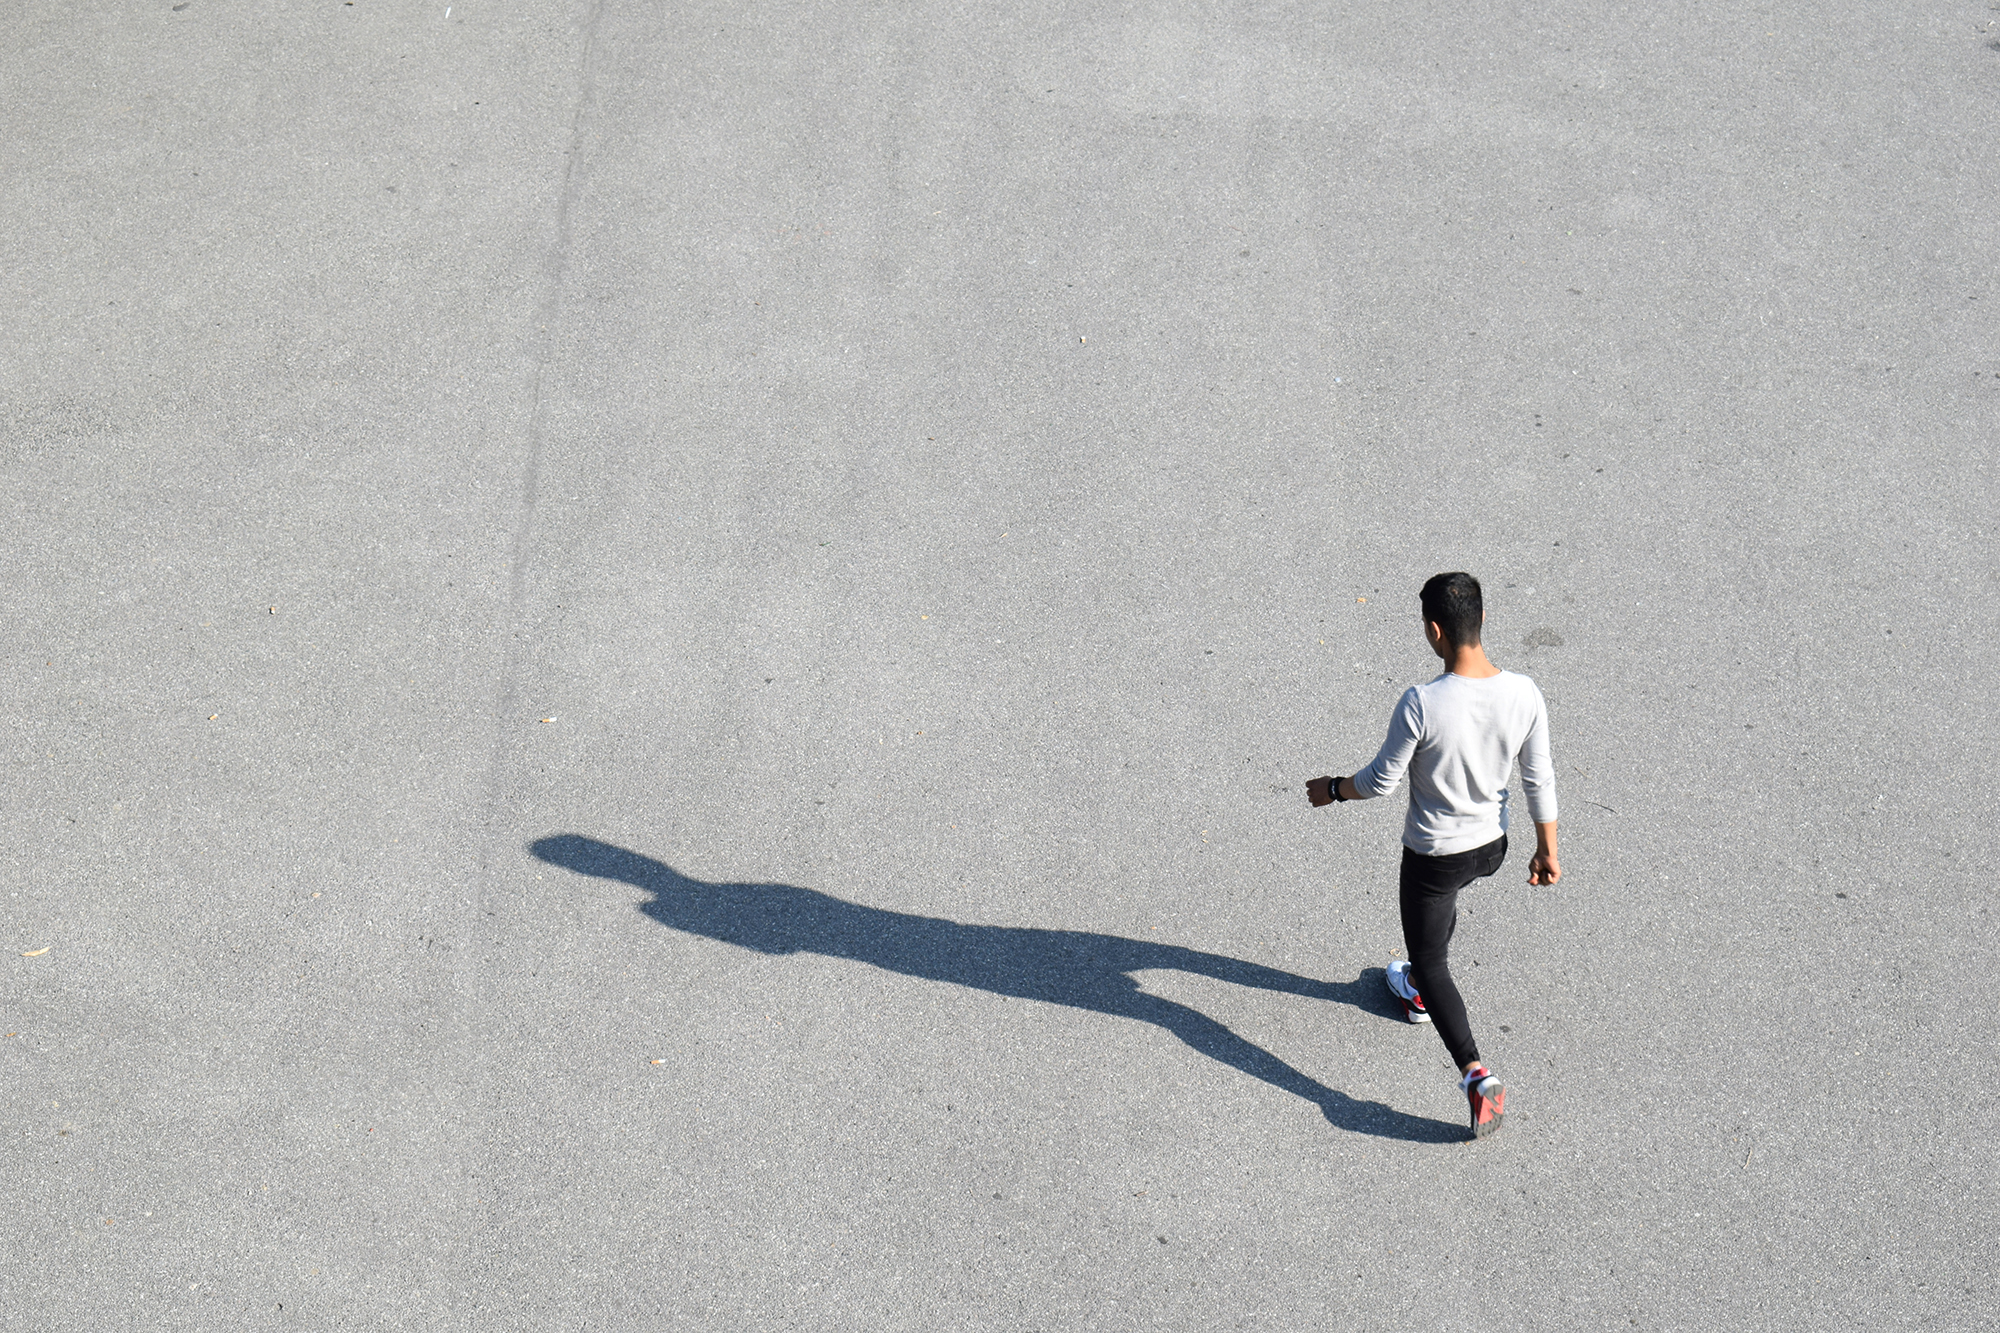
1386 770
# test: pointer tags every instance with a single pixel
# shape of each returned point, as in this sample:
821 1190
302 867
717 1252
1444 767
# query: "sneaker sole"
1488 1109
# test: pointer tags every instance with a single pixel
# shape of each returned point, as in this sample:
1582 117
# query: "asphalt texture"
661 662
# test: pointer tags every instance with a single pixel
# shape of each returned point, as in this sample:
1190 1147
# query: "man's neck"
1470 662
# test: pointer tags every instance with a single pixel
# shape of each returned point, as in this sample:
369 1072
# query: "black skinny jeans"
1429 897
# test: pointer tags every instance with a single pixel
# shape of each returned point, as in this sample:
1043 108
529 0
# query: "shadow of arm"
1237 972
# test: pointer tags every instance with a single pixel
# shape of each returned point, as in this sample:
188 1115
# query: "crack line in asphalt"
547 309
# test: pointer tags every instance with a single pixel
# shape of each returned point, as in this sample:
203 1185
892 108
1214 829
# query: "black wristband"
1336 789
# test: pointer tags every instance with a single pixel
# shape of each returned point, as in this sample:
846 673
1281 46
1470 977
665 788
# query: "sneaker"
1400 987
1487 1098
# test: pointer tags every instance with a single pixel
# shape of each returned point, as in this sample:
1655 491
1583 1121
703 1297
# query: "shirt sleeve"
1406 725
1538 771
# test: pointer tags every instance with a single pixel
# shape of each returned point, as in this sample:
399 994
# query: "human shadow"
1081 969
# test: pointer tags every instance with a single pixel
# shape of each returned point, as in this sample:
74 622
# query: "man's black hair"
1452 603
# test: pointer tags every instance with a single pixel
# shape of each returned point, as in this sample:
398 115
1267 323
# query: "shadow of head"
770 918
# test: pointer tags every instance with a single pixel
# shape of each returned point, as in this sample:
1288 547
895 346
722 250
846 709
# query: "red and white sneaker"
1400 987
1487 1097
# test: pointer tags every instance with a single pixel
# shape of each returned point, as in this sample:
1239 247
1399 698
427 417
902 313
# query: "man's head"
1452 603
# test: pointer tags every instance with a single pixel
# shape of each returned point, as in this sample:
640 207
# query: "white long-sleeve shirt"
1459 737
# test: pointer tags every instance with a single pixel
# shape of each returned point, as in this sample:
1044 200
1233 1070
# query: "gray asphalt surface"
661 661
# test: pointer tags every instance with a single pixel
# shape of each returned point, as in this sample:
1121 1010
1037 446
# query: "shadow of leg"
1368 992
1217 1042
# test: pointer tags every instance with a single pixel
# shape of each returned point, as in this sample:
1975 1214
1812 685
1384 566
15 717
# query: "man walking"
1458 736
